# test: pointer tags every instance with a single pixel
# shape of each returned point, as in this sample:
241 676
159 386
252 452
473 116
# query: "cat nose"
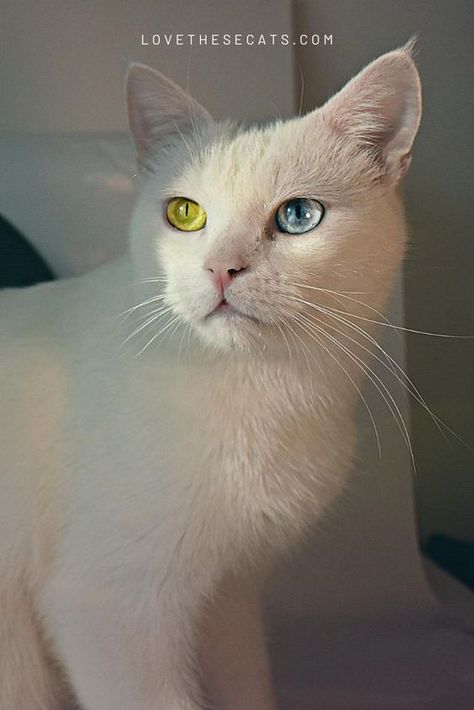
223 274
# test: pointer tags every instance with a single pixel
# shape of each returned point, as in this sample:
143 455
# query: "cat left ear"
157 107
381 109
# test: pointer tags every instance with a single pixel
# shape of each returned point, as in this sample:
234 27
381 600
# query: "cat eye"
185 215
299 215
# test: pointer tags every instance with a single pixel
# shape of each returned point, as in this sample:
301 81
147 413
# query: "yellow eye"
185 214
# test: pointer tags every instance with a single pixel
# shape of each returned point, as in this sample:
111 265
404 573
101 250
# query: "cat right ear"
381 108
157 107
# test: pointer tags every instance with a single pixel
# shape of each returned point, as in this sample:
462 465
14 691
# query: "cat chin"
230 332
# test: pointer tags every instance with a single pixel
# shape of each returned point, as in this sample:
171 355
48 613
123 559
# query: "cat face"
255 229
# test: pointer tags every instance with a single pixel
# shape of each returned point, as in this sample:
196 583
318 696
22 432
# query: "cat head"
251 229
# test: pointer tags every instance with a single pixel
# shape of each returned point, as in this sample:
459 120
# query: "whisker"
401 328
190 113
334 358
159 297
300 107
183 334
158 313
347 295
407 383
172 333
160 332
374 378
284 337
392 366
304 349
411 390
188 343
185 141
153 279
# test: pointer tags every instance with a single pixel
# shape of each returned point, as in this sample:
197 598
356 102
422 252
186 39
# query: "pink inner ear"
157 106
381 107
140 131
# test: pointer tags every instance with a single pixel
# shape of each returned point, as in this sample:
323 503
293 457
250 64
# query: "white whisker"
159 297
400 327
158 313
160 332
392 367
348 295
334 358
409 385
374 378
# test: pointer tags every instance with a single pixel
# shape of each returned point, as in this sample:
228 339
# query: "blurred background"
67 185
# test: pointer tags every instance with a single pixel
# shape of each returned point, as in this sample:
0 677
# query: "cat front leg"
118 655
235 664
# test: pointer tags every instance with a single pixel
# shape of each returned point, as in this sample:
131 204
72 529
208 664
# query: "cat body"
171 422
130 469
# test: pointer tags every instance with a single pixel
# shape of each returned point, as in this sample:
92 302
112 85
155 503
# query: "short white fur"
156 455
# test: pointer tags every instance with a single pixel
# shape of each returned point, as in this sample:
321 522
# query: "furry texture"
152 465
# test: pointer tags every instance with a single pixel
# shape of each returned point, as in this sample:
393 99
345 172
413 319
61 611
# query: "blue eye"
299 215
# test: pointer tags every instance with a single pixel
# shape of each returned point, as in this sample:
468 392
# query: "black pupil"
187 208
298 210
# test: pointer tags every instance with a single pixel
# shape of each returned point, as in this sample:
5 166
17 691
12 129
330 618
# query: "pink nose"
223 274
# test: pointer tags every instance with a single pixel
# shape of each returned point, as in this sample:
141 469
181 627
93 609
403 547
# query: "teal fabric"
20 264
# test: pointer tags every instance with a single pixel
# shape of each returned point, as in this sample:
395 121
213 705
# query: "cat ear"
157 107
381 109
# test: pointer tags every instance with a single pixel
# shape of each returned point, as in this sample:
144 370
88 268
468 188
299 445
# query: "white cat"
153 464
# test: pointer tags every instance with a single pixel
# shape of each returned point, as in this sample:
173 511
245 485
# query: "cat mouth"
224 308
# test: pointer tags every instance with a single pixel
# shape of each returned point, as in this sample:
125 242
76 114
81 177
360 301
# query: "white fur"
144 491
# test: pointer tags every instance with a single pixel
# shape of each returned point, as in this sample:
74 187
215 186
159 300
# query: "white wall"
63 61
